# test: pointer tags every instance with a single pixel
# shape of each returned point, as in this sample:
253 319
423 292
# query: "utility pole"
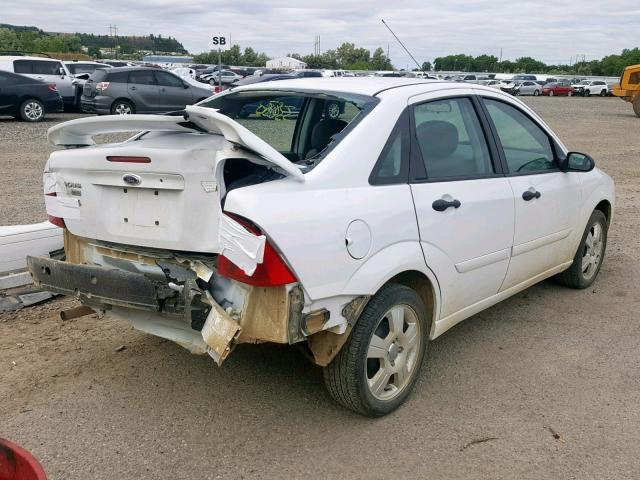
500 54
113 33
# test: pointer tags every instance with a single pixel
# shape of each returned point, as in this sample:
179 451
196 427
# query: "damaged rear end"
147 239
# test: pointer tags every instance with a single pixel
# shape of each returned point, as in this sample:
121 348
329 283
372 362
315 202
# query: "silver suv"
125 90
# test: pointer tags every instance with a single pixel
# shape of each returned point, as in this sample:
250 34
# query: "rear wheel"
536 93
551 94
603 92
636 105
32 110
588 259
374 372
122 107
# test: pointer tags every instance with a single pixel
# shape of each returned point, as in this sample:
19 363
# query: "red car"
557 88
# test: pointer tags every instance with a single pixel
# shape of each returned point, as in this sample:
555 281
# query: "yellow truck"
629 87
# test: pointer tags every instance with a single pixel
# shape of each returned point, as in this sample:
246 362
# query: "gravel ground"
542 386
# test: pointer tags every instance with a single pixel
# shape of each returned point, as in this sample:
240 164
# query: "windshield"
302 125
79 68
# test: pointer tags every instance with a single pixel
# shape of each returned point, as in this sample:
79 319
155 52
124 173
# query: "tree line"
32 39
611 65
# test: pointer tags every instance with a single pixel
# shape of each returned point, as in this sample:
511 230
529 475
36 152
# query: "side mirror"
577 162
61 72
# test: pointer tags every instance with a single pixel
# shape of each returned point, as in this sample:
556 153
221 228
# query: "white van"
48 70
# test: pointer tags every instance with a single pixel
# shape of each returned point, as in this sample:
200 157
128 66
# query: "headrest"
437 138
324 130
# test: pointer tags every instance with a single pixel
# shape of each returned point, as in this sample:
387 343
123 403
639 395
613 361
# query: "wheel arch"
605 207
424 287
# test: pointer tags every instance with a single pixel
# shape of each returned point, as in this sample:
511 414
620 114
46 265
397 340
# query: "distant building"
286 63
167 59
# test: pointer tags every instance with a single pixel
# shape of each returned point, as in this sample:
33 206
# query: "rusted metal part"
75 312
325 345
266 316
352 310
219 332
97 285
296 317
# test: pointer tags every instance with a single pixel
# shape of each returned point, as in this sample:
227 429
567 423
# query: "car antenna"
402 44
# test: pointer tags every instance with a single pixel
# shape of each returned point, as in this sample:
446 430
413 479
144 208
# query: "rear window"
302 125
79 68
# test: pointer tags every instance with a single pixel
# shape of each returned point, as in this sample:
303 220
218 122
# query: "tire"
592 249
587 93
551 94
603 92
636 105
536 93
570 94
122 107
368 378
32 110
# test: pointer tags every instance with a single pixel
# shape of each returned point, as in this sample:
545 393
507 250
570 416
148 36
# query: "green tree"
380 61
426 66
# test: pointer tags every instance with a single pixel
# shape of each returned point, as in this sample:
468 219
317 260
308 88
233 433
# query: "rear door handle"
133 87
441 204
528 195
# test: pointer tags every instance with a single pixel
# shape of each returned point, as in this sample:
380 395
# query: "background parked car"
47 70
263 78
81 71
307 73
562 87
528 87
592 87
226 77
26 98
126 90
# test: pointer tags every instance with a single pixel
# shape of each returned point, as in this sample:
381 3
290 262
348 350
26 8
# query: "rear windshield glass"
79 68
302 125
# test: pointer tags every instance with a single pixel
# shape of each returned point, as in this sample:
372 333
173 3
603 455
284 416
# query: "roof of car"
127 69
11 58
359 85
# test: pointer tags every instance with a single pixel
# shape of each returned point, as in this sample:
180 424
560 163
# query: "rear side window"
450 140
142 77
37 67
527 148
116 77
393 164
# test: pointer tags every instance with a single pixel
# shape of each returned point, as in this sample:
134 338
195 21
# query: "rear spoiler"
80 132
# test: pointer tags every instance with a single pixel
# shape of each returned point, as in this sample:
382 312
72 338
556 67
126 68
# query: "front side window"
167 80
527 148
451 140
23 66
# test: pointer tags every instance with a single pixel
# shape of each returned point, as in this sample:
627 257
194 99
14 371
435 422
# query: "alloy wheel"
592 253
123 109
33 111
393 352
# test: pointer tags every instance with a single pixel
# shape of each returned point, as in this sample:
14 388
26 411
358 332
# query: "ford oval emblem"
131 179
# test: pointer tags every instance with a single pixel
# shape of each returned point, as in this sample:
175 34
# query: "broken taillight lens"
57 221
102 86
271 272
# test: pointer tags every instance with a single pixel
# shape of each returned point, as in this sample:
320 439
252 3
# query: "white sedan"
359 238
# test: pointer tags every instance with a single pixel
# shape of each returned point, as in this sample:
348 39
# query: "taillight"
102 86
271 272
217 89
57 221
52 87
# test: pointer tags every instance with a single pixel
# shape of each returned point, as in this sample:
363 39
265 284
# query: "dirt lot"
544 385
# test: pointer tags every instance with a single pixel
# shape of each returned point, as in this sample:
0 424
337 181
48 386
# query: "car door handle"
528 195
133 87
441 204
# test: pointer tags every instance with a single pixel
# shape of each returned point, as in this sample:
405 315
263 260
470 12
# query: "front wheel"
588 259
603 93
587 93
32 110
376 369
536 93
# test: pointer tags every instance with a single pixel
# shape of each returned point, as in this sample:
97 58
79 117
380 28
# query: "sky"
554 31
